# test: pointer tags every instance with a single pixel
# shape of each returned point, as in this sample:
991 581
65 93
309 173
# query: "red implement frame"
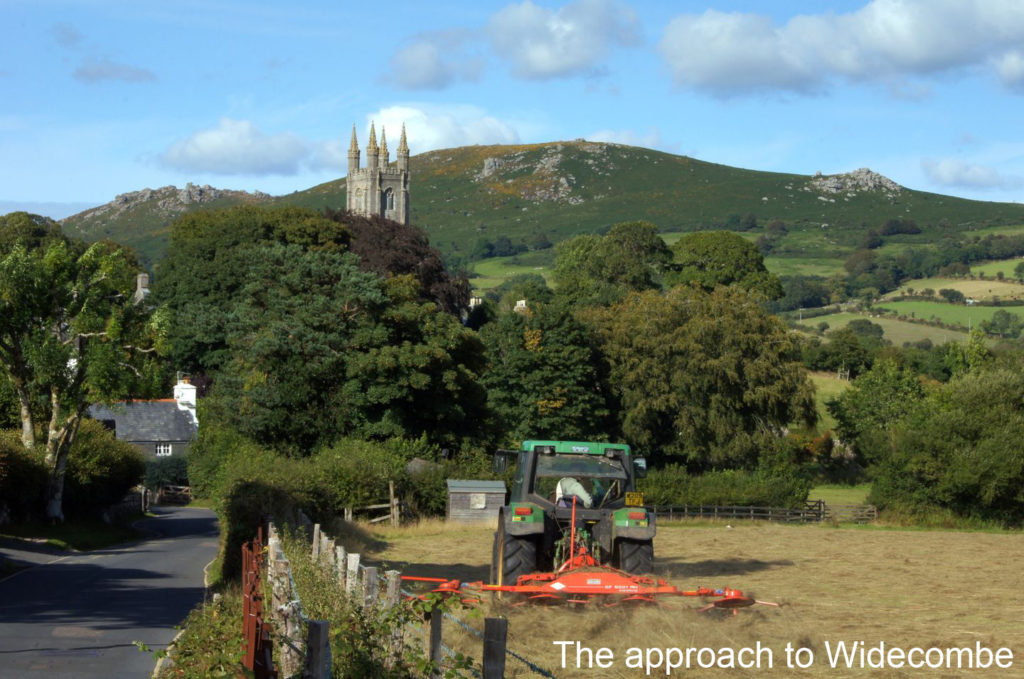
582 580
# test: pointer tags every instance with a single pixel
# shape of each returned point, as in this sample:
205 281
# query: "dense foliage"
70 335
958 450
546 378
704 377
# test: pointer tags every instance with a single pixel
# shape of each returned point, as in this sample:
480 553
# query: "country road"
77 615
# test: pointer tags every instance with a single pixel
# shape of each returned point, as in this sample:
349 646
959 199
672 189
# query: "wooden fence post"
316 542
328 552
341 565
369 587
352 584
393 503
392 597
495 635
318 655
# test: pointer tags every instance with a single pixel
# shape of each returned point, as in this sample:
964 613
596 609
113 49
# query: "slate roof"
147 420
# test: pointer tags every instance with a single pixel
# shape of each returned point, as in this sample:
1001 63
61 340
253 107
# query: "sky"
103 97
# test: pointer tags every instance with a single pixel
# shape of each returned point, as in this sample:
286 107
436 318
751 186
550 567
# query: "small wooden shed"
475 500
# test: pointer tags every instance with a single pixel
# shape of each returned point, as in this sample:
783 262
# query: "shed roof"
475 486
147 420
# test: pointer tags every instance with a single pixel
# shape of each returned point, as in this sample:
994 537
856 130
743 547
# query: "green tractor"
557 480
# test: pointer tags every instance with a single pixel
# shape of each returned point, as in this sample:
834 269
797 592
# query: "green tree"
210 253
545 378
704 376
70 335
971 355
320 350
952 296
713 258
593 269
875 401
1003 323
959 450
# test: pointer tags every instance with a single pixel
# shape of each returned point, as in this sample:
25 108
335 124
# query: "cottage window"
163 449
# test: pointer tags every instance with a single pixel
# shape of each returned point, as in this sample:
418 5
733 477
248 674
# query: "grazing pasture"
961 314
906 588
896 331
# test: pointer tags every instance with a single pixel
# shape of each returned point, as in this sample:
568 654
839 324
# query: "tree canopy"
713 258
700 375
70 335
545 378
593 269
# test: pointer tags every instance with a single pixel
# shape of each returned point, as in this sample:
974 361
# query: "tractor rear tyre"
511 557
635 556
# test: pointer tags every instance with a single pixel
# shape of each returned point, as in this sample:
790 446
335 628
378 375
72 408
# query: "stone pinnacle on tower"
384 160
402 154
371 149
372 144
353 153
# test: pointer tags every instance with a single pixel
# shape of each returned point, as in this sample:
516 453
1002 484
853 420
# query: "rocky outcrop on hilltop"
540 178
170 200
852 183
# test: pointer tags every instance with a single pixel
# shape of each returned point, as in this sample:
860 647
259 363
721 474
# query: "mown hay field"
906 588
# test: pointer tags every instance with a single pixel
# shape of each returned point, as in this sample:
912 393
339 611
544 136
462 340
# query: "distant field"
1011 230
1006 266
947 313
496 270
826 386
896 331
929 589
803 266
975 289
836 494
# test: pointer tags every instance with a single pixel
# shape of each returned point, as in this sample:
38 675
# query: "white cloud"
434 62
1010 67
738 53
430 127
94 70
237 147
543 43
953 172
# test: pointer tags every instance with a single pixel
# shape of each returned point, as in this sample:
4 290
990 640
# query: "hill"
562 189
142 219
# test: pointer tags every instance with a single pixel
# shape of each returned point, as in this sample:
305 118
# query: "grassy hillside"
567 188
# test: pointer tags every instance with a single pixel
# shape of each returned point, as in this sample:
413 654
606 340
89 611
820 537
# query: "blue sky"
101 97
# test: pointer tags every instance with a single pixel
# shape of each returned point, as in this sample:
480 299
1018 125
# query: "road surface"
78 615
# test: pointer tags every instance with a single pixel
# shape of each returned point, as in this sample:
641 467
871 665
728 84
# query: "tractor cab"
562 486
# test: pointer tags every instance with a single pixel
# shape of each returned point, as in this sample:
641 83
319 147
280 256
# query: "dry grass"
906 588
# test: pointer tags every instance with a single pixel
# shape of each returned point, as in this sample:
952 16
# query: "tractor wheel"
635 556
511 557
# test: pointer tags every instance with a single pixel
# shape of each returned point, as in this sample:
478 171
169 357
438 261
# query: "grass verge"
73 535
210 644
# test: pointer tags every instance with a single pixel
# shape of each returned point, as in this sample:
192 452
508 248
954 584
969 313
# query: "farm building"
475 500
158 428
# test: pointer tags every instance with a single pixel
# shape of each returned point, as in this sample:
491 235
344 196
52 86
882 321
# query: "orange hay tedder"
580 579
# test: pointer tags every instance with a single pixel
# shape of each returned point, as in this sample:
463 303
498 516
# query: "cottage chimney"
185 396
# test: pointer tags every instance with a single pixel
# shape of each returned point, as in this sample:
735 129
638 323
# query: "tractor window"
603 478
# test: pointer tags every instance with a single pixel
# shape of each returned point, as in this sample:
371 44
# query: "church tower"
380 188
